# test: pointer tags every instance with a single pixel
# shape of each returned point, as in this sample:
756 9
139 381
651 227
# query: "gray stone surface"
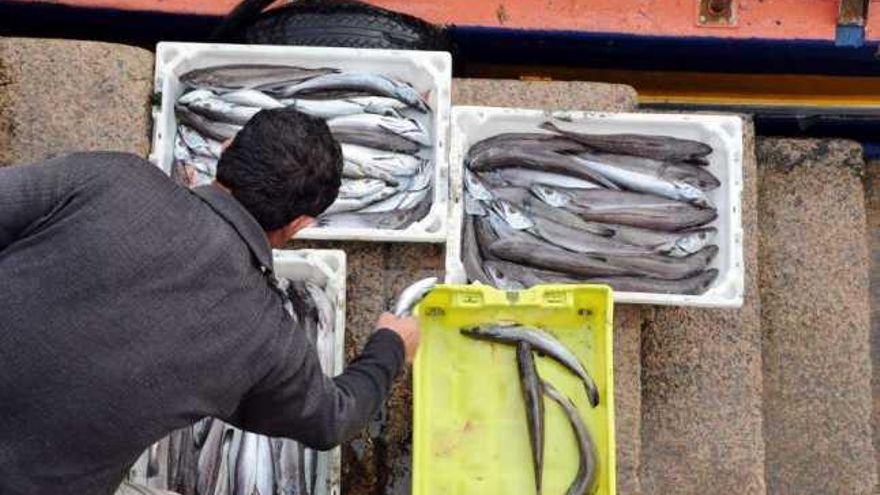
58 96
815 318
701 386
872 199
378 461
628 394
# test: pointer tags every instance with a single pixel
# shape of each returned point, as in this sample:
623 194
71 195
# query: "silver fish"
222 111
232 457
352 204
638 180
539 254
181 151
409 129
221 483
194 95
397 164
475 187
253 469
289 476
220 131
199 144
523 177
470 253
656 147
514 217
474 207
585 479
549 142
310 465
354 170
357 188
390 220
326 318
328 109
412 294
249 75
695 284
627 208
527 277
210 458
371 83
694 175
581 241
251 98
535 158
676 244
530 385
542 342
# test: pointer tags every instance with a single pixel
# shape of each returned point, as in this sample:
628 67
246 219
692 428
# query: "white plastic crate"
428 72
724 133
325 268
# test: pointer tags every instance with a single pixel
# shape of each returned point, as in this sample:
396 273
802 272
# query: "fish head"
476 188
500 278
693 195
513 216
552 197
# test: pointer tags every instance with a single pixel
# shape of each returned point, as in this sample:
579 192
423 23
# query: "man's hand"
407 328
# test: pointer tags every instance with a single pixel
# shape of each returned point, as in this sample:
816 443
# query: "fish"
372 83
676 244
210 457
221 482
194 95
232 457
253 467
251 98
470 253
357 188
343 205
523 177
222 111
475 187
289 478
390 220
235 76
411 193
694 175
640 180
539 254
200 430
513 216
474 207
221 131
396 164
412 294
552 142
199 144
527 277
581 241
485 236
695 284
648 146
181 151
530 384
409 129
535 158
585 480
310 471
541 342
354 170
327 109
326 316
627 208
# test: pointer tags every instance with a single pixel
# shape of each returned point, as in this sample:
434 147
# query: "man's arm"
322 412
30 193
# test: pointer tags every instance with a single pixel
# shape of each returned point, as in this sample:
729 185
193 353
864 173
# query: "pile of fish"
528 341
627 210
214 458
382 124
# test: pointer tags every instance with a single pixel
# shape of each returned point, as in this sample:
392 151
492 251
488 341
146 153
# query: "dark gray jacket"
130 307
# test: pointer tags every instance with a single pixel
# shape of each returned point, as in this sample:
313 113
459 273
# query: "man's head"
285 168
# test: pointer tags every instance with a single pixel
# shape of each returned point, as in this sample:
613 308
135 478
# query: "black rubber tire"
341 23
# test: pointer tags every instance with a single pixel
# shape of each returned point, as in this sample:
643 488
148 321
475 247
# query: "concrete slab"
58 96
815 318
872 200
379 461
628 394
702 386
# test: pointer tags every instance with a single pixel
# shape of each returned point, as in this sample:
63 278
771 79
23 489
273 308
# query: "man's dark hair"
281 165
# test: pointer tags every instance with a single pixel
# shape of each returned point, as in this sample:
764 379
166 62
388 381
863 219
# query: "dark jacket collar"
240 219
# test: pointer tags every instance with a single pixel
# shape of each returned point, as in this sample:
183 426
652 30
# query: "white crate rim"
729 129
438 65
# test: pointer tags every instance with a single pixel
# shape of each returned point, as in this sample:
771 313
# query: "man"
130 307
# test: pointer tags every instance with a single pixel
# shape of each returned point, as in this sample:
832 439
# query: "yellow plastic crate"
470 434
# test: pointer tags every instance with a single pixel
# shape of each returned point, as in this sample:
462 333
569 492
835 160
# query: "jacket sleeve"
29 194
297 400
